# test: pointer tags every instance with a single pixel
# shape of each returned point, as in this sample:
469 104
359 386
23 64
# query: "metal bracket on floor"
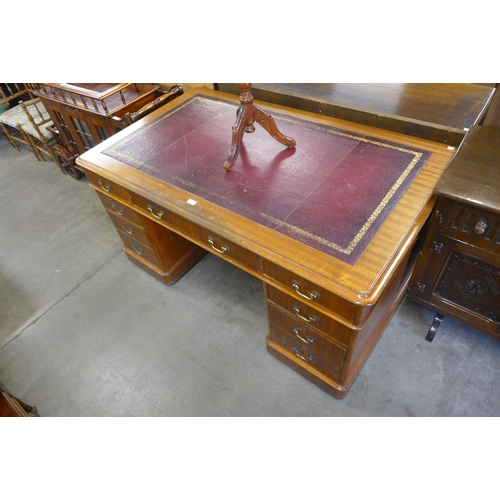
434 327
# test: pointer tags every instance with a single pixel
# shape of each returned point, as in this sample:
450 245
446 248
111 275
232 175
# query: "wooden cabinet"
85 114
458 270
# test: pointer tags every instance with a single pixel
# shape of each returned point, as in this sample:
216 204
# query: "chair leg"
33 147
47 149
6 132
56 159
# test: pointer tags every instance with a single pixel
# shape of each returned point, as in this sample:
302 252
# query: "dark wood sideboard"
458 269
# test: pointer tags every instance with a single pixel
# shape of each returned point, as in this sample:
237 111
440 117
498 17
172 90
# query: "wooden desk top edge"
473 174
360 283
375 115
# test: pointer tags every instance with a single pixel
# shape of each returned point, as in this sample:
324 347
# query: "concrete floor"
84 332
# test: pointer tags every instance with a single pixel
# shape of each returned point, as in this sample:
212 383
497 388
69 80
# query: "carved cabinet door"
470 278
461 274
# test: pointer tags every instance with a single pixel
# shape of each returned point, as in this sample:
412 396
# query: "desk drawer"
201 236
305 336
120 209
132 229
140 249
304 353
309 316
309 292
221 246
103 185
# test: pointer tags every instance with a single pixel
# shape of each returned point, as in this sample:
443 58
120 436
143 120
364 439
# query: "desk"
329 227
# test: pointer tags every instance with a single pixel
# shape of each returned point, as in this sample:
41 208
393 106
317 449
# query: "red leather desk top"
332 192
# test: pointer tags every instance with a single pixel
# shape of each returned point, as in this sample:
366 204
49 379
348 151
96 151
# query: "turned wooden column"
248 113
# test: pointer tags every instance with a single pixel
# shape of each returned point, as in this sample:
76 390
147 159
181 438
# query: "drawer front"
470 220
306 336
140 249
308 316
133 230
309 292
121 210
304 353
203 237
103 185
153 209
222 247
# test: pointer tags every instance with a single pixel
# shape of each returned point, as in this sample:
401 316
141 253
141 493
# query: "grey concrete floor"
84 332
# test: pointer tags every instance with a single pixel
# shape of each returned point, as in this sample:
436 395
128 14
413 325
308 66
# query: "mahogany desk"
329 227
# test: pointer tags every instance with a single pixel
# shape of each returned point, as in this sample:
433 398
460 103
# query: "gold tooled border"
294 229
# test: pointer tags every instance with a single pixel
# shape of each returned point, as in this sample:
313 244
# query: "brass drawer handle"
158 215
301 356
127 230
119 212
223 249
106 188
311 296
311 319
137 250
306 340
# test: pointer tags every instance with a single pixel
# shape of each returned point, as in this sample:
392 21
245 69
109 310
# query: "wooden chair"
10 112
28 123
12 93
